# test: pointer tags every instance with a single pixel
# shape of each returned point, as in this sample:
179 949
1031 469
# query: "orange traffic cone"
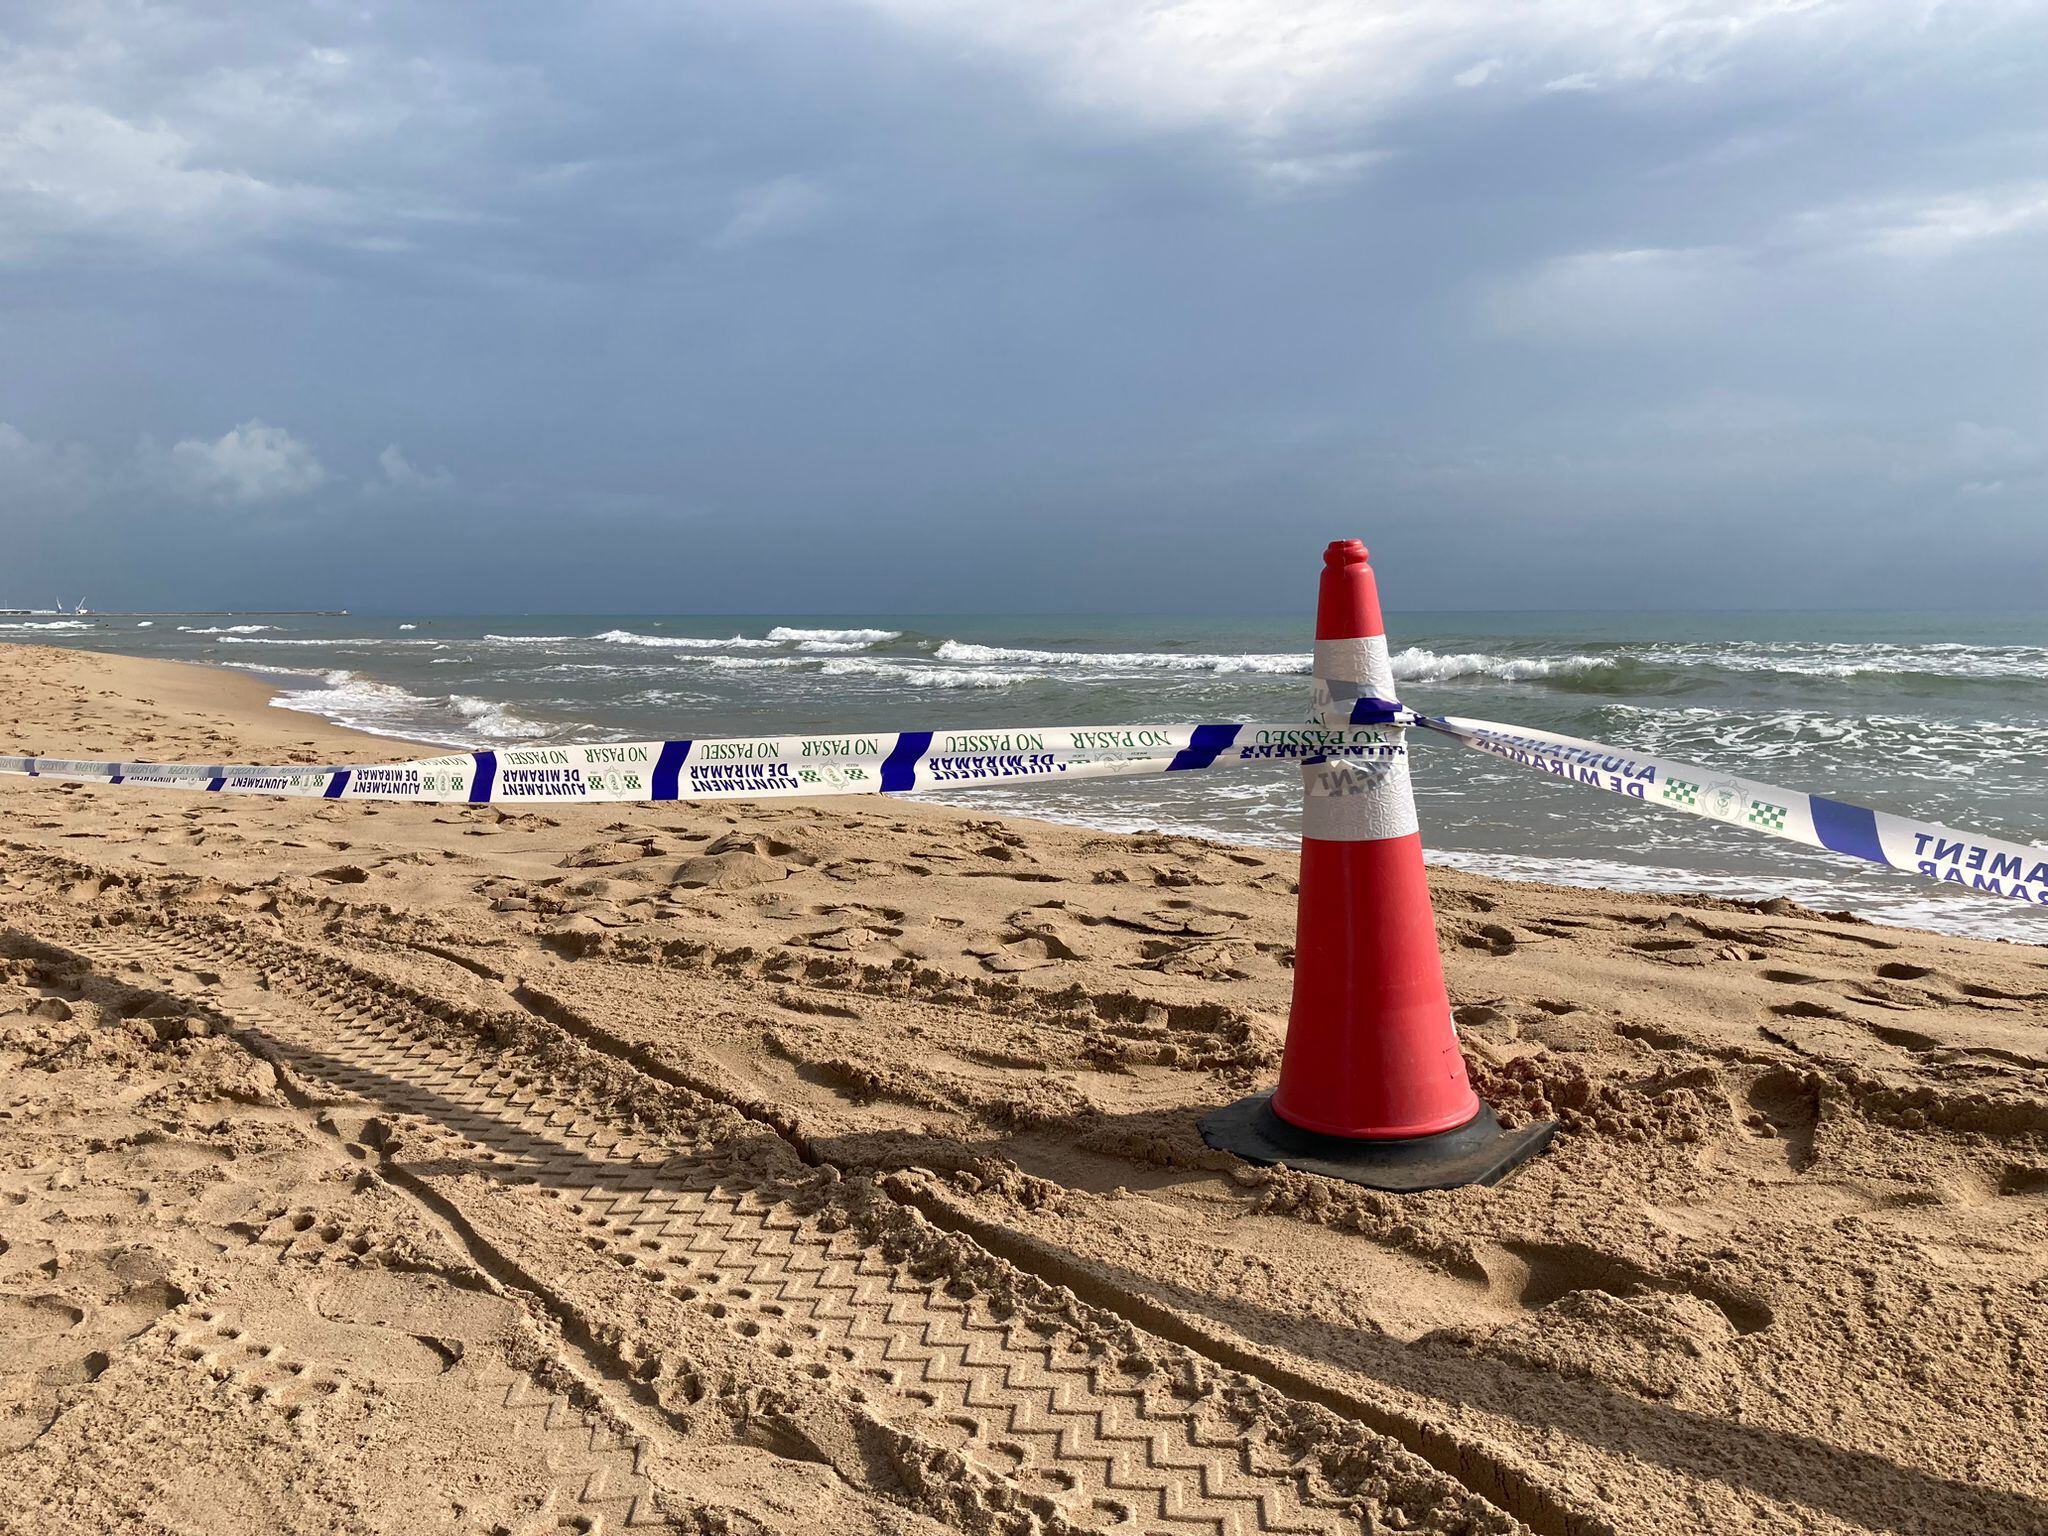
1372 1086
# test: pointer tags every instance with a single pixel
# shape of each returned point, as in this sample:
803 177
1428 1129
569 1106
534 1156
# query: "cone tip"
1343 552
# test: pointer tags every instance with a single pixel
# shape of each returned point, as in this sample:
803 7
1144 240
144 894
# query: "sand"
394 1168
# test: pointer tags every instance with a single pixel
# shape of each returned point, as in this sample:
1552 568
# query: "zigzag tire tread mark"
600 1469
1034 1409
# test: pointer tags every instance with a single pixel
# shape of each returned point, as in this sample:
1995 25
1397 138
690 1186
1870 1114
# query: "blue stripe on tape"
668 770
1847 828
32 769
1203 746
486 776
899 769
337 784
213 786
1367 710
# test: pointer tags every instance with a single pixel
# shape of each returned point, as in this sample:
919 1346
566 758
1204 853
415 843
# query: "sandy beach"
800 1167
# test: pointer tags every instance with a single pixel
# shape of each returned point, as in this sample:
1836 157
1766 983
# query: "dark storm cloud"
1051 305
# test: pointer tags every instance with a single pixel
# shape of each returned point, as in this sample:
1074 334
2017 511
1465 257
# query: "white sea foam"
495 720
385 709
349 644
1120 661
823 647
273 669
347 697
785 633
408 626
231 629
538 639
1415 664
1419 665
683 642
147 624
46 624
926 676
1849 659
1808 742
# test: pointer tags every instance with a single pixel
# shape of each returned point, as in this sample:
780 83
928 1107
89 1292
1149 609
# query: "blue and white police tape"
753 767
2012 870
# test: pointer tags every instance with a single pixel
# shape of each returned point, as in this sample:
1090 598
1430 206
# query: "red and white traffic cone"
1372 1085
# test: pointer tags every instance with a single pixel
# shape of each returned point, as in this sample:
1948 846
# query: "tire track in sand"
984 1396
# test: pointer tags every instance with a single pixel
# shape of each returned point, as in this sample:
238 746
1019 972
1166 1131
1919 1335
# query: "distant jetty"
177 613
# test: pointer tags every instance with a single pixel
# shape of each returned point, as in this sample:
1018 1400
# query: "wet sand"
422 1168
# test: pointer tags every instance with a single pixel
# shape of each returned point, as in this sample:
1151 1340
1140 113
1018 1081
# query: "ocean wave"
342 694
784 633
272 669
1853 659
683 642
51 624
1413 665
348 644
1121 661
385 709
926 676
1816 742
824 647
408 626
495 720
232 629
1419 665
752 663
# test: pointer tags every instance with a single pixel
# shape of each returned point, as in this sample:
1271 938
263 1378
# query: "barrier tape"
755 767
903 762
2012 870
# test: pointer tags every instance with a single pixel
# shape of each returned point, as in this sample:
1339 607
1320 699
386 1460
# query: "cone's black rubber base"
1477 1152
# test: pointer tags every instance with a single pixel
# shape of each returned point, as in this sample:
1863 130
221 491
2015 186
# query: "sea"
1937 716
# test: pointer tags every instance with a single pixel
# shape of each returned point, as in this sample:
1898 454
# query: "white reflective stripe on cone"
1345 801
1346 670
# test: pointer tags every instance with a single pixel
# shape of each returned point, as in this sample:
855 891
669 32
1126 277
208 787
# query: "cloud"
770 210
71 169
38 477
251 463
396 466
1932 227
398 473
1293 174
1619 295
1266 67
1651 293
177 132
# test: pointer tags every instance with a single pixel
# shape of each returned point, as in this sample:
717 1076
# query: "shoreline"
238 705
336 1133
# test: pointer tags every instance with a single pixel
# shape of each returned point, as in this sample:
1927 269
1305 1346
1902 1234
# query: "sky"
1023 305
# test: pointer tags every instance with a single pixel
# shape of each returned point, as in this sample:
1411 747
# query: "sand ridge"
600 1071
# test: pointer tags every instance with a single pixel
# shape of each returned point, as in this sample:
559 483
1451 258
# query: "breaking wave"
786 633
1417 665
679 642
385 709
1413 665
1120 661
